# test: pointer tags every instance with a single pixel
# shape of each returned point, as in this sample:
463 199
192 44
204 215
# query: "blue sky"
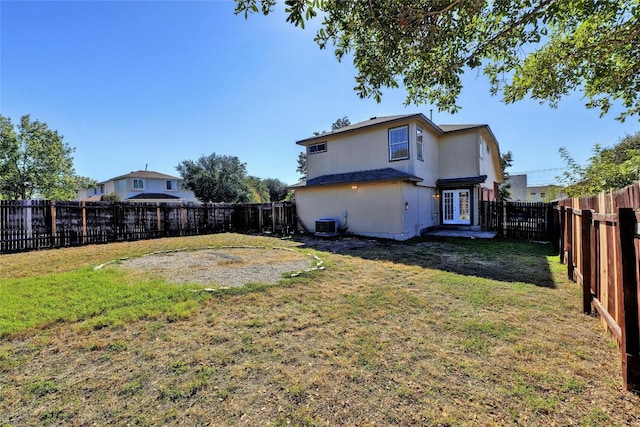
135 84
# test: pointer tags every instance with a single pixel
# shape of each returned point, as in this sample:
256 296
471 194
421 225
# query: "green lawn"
439 333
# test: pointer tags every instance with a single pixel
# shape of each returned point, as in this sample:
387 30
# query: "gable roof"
144 174
390 120
374 121
374 175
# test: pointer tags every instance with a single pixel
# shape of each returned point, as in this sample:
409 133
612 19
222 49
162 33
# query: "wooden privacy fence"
529 221
41 224
600 243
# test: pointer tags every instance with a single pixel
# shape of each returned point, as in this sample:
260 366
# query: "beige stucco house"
141 186
397 177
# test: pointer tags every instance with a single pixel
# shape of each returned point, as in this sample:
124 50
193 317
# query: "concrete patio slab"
469 234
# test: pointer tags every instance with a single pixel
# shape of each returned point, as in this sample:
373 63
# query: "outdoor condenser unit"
326 227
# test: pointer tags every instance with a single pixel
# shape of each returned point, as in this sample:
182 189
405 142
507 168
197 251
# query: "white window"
318 148
399 143
172 185
137 184
419 145
481 150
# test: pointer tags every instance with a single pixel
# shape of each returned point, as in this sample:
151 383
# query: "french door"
456 207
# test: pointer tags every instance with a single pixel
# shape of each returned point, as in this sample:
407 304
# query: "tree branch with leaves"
539 49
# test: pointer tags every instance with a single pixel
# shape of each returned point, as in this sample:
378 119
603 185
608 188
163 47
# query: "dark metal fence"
528 221
42 224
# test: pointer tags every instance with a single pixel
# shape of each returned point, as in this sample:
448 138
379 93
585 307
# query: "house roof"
374 121
144 174
456 128
386 174
153 196
456 182
388 120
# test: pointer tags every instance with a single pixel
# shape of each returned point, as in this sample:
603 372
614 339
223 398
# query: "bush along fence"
42 224
528 221
600 243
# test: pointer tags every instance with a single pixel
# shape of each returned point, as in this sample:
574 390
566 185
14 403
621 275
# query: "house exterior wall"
458 154
489 160
398 210
518 187
355 152
427 169
389 210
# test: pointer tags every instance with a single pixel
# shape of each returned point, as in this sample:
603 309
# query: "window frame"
391 145
319 147
171 185
134 187
419 144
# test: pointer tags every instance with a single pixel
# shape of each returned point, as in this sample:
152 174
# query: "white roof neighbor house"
398 176
141 186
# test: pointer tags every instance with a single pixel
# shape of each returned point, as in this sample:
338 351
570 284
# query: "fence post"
629 345
587 277
569 241
561 233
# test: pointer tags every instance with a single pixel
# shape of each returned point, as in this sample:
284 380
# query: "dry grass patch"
386 341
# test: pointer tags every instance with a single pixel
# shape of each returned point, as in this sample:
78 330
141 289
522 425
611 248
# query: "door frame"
456 200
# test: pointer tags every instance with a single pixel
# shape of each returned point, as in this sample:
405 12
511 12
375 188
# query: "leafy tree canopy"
216 178
277 189
543 49
35 160
608 168
258 190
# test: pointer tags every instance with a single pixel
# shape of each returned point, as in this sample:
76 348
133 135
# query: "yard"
451 332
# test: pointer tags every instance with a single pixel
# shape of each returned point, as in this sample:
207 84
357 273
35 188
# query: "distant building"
518 188
140 186
545 193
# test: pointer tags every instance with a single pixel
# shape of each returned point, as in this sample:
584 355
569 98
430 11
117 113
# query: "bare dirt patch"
222 267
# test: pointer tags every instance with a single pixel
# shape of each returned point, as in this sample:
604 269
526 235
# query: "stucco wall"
458 155
395 211
356 152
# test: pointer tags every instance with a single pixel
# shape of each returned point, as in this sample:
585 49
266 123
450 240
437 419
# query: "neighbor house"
141 186
397 177
545 193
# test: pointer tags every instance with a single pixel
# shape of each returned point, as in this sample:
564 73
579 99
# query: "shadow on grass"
497 259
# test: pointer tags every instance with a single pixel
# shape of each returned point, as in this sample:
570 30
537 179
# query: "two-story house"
141 186
397 177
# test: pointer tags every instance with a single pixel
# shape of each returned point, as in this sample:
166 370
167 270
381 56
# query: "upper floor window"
419 145
318 148
172 185
399 143
101 188
137 184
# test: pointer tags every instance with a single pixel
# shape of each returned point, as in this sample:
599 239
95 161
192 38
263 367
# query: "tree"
340 123
35 159
216 178
258 191
506 161
277 189
608 168
543 49
302 165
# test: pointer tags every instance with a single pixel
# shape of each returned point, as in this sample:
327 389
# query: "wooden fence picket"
31 225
